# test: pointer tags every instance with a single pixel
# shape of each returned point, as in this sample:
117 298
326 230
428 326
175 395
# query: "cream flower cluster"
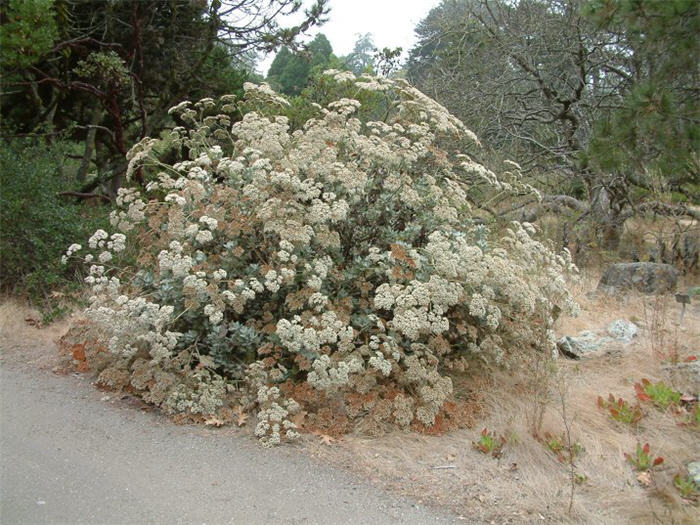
135 325
132 210
205 398
273 424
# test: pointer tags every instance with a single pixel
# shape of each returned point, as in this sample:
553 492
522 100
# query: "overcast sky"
391 23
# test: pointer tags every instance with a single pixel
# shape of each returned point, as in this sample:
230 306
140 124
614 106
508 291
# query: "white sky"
391 23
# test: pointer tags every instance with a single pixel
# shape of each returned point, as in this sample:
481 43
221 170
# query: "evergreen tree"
279 63
361 58
321 50
290 72
652 139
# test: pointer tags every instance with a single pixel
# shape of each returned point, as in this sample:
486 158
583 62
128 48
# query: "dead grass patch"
24 340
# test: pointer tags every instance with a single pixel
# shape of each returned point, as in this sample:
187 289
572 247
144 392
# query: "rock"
694 471
623 330
645 277
589 342
582 345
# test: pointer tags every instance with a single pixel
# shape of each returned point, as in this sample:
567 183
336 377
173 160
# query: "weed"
621 410
656 317
566 442
661 395
686 486
557 445
642 459
691 417
489 444
540 375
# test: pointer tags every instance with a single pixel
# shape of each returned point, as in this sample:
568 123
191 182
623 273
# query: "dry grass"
528 484
23 340
642 234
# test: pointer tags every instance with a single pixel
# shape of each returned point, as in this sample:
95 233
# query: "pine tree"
652 139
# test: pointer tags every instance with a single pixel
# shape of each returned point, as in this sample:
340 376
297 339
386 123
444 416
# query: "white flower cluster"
419 307
133 326
332 376
274 424
173 261
326 330
265 93
137 154
205 396
135 210
380 364
73 248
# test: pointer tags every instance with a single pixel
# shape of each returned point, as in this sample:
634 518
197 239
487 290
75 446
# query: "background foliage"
597 99
37 223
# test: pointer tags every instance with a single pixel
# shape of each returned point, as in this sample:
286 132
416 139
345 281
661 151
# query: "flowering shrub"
341 256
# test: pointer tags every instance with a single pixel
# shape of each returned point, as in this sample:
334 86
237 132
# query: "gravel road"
68 455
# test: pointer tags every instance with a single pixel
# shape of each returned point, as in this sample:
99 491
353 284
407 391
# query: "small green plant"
686 486
621 410
691 417
579 478
642 460
489 444
661 395
557 445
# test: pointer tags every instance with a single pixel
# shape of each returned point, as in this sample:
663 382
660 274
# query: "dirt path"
70 456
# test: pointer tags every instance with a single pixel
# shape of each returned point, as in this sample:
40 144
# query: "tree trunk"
89 145
607 218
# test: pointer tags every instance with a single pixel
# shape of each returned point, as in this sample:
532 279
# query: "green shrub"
36 223
339 259
489 443
686 486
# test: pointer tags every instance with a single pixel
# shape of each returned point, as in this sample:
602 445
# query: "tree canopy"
597 99
108 71
290 72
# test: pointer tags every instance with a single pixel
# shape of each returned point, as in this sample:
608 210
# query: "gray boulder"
645 277
690 370
623 330
586 344
581 345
